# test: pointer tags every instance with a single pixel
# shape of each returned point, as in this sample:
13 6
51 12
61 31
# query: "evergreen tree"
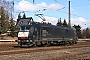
24 16
7 25
3 26
12 28
65 23
87 32
78 31
59 23
19 16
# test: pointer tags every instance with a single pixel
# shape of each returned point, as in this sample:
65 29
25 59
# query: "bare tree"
6 14
8 7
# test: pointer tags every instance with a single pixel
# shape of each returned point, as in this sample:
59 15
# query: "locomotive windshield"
24 28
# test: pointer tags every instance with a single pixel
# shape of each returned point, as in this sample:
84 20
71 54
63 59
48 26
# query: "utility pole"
69 21
33 1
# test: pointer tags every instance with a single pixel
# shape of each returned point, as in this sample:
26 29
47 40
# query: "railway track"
14 49
64 54
73 56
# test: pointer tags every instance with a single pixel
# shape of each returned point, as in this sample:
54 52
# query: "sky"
53 10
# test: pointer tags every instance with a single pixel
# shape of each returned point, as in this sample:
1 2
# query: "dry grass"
4 43
4 37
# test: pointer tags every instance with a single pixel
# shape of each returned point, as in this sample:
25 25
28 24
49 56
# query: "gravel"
66 54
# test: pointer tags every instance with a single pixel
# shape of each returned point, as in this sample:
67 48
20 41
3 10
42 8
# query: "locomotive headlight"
27 40
30 40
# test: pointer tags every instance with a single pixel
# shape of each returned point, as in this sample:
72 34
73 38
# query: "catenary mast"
69 16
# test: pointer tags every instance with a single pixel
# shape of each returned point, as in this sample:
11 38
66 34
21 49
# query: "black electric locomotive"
41 34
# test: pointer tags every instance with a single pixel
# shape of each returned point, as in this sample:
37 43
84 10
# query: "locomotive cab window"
24 28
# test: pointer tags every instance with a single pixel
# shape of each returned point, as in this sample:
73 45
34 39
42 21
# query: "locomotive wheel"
64 42
21 44
75 42
70 42
47 43
35 45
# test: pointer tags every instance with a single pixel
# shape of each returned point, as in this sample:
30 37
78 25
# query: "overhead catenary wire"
74 15
60 9
75 5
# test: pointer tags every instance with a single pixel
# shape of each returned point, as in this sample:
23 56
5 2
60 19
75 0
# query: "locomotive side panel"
56 34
